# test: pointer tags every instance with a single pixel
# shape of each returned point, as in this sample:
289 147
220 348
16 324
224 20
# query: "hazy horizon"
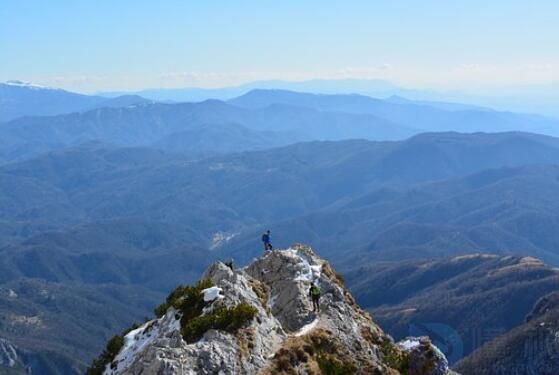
88 47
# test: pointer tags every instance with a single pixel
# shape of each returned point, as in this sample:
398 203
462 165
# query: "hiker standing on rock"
314 293
267 240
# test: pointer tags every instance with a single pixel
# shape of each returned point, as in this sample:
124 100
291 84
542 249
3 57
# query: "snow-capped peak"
27 84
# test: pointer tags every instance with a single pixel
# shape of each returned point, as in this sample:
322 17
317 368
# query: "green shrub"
221 318
188 299
114 345
331 366
109 354
161 310
394 358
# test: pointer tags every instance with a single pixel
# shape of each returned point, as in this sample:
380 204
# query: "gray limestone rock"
277 286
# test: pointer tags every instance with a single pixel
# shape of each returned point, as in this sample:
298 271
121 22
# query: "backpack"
315 290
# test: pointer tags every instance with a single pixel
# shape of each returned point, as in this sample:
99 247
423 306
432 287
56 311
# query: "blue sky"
130 44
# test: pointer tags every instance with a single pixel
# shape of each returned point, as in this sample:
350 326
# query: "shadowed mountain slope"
530 348
466 301
54 328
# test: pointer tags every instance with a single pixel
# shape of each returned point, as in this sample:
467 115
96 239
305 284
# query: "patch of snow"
409 344
473 256
272 300
355 327
316 269
307 328
140 338
310 273
12 294
26 84
408 310
217 167
211 294
530 260
219 238
27 320
8 353
134 342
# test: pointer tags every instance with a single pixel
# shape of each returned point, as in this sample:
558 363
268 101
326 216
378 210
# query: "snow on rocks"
27 85
409 344
8 353
220 238
307 328
422 354
211 294
137 340
308 272
8 293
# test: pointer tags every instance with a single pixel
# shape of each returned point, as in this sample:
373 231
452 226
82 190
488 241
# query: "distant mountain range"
210 126
261 119
425 116
376 88
540 99
20 99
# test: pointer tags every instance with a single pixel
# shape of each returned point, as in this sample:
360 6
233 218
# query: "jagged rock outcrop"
283 336
423 357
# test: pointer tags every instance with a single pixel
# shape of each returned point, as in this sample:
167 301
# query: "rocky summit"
259 320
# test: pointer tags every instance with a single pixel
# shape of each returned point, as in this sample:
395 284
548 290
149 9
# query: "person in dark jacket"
266 239
314 293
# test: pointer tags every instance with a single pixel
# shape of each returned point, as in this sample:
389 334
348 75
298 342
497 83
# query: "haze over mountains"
19 99
129 199
535 98
258 120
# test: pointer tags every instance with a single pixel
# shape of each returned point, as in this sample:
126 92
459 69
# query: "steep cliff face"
259 320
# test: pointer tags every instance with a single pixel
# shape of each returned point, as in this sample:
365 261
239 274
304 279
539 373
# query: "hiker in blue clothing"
266 240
